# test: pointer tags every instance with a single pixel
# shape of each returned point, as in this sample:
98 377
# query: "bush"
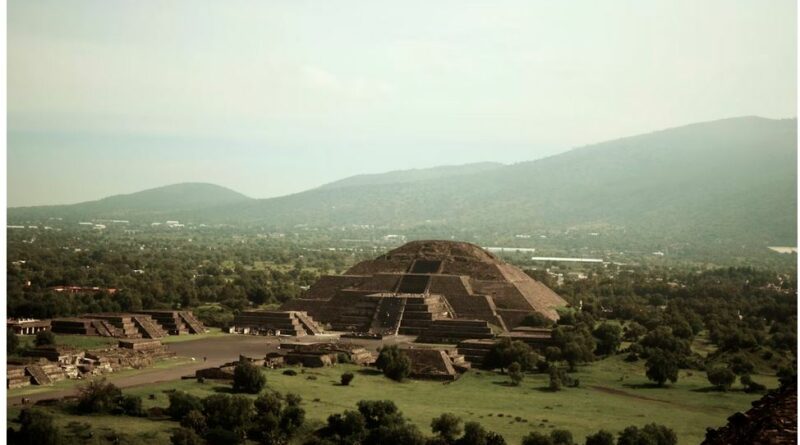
536 320
181 403
343 358
131 405
195 421
346 378
534 438
185 436
721 378
447 426
290 372
222 436
750 385
601 437
651 434
555 379
44 338
561 437
394 363
248 378
515 373
36 427
232 413
609 336
12 342
99 396
505 352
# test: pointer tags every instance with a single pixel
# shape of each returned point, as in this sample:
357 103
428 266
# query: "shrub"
394 363
505 352
601 437
44 338
131 405
232 413
346 378
721 378
750 385
609 336
343 358
248 378
534 438
561 437
180 403
515 373
12 342
649 434
36 427
195 421
536 320
555 379
290 372
222 436
185 436
447 426
99 396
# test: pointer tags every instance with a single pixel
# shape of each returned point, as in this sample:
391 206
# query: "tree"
721 378
195 421
447 426
348 427
561 437
231 413
346 378
661 366
248 378
185 436
181 403
651 434
275 423
609 336
633 331
536 320
131 405
535 438
601 437
12 342
379 413
505 352
36 428
751 385
99 396
394 363
44 338
555 378
515 373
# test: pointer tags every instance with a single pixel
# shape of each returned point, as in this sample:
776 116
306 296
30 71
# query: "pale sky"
270 98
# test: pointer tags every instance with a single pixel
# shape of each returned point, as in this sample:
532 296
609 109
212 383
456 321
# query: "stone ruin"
771 420
289 323
417 288
143 324
435 364
47 364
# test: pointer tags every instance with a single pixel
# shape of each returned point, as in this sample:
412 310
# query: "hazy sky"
270 98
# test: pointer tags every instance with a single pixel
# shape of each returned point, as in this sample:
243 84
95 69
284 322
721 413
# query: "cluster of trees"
154 269
225 419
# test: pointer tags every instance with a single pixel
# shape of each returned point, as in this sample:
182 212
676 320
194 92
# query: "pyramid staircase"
38 376
104 328
195 326
413 284
148 327
388 316
420 312
308 323
359 317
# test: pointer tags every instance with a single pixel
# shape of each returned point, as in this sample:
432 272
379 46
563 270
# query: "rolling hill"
167 200
731 181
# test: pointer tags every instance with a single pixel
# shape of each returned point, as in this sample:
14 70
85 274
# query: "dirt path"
620 392
207 352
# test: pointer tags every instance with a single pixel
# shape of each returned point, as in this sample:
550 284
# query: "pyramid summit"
424 284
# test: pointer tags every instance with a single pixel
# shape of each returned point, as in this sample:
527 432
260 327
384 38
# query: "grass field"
613 395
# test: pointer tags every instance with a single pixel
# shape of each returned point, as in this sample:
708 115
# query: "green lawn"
613 395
